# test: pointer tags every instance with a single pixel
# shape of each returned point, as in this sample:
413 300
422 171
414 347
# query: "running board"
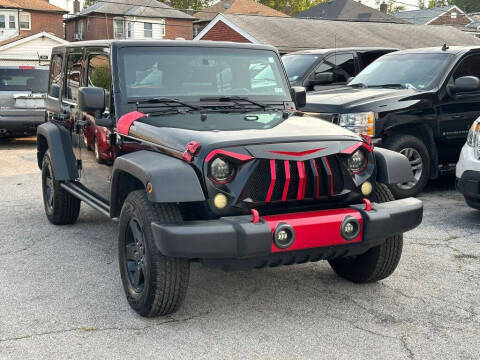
86 197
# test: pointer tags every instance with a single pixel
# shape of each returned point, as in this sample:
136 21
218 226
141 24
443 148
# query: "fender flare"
172 180
61 151
392 167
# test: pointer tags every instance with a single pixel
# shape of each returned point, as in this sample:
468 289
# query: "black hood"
350 100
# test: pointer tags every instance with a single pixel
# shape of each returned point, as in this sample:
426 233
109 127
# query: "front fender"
172 179
392 167
59 144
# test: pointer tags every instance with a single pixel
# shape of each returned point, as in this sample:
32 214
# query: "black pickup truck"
419 102
321 69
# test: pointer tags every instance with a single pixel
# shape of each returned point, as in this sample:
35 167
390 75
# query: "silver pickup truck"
22 99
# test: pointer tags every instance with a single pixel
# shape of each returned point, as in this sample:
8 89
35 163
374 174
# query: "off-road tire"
398 143
61 207
165 279
378 262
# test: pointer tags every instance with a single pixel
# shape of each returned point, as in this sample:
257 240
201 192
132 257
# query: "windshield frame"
436 83
119 76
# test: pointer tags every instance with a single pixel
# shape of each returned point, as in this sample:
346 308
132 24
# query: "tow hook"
255 215
368 204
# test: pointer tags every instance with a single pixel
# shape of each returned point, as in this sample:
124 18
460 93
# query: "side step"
80 193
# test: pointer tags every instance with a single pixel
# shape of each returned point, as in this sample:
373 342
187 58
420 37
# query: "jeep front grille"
283 180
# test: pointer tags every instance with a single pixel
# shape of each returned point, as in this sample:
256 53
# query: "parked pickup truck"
328 68
22 99
209 161
419 102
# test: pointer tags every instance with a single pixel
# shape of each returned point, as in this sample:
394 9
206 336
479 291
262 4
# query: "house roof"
237 7
347 10
424 16
303 33
474 25
37 5
17 40
140 8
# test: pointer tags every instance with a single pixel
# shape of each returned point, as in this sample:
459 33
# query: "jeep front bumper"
237 237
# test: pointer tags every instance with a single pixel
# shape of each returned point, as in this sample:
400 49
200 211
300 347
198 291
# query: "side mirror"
91 99
466 84
299 94
323 78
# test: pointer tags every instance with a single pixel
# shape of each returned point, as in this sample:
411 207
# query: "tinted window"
74 76
201 72
35 80
468 67
421 71
297 65
56 76
342 66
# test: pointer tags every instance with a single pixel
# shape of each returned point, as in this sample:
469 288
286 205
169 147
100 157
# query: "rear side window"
468 67
55 76
74 76
23 79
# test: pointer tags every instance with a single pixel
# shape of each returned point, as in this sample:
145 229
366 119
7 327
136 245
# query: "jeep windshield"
420 71
195 73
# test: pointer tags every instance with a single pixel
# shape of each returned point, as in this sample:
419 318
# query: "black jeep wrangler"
206 159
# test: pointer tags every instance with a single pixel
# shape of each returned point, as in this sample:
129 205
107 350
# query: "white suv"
468 167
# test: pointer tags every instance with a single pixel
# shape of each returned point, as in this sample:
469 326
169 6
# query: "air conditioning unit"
77 36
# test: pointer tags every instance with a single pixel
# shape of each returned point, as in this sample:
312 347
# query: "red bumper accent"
315 228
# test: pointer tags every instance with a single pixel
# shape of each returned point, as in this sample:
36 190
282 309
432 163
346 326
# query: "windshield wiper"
398 86
166 100
361 85
235 99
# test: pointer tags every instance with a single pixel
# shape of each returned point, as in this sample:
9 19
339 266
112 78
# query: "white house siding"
158 28
27 53
7 33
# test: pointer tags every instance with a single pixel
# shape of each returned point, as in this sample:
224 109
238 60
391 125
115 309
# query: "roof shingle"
237 7
37 5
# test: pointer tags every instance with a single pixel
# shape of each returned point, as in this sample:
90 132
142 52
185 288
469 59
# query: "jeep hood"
294 129
351 100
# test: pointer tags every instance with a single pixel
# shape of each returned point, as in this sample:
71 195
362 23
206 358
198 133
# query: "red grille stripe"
297 153
287 180
273 177
302 180
330 175
317 185
240 157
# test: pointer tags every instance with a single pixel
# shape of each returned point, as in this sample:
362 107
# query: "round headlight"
357 162
221 170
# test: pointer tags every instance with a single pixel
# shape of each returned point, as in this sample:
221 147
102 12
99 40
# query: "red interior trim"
330 176
287 180
273 177
297 153
315 228
302 180
240 157
126 120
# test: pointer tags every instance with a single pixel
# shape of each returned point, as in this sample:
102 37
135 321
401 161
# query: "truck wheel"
154 284
61 207
378 262
417 154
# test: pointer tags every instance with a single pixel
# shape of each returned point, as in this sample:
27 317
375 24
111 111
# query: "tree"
295 5
392 6
421 4
467 5
437 3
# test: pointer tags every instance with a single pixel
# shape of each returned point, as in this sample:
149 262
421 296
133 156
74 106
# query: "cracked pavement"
62 297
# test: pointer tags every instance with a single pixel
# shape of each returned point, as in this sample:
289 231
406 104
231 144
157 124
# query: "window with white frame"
147 30
11 22
118 29
162 28
88 24
24 21
453 15
129 30
2 21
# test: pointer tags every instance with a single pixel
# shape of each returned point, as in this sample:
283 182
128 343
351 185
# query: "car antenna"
445 47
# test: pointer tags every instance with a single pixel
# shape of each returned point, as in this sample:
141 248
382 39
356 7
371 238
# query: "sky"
371 3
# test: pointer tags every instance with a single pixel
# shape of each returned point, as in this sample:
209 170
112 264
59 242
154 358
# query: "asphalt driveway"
61 294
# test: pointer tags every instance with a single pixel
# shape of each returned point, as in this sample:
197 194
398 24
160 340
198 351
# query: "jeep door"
458 111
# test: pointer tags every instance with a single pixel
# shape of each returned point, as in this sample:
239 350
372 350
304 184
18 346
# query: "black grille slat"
257 186
294 180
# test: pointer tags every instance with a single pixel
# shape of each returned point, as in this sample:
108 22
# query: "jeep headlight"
472 138
360 123
221 170
357 162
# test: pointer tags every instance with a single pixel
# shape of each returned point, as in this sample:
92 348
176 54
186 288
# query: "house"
291 34
28 31
128 19
72 6
245 7
446 15
347 10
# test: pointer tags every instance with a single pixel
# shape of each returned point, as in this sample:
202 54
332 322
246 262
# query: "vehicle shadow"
17 143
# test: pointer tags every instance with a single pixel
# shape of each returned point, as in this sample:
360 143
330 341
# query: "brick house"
245 7
446 15
129 19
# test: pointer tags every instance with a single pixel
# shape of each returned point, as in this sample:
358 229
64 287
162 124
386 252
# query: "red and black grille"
287 180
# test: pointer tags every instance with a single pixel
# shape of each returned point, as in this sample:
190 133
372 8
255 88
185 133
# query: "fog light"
366 188
220 201
283 236
350 228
